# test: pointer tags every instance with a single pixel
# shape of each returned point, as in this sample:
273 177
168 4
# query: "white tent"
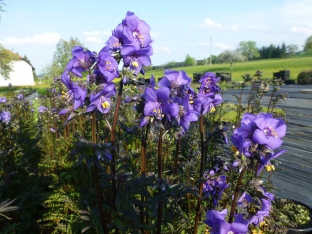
22 75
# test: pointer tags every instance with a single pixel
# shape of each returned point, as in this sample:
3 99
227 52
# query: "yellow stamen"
135 64
269 167
105 104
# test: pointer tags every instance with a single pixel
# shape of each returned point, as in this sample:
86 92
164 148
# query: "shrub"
305 77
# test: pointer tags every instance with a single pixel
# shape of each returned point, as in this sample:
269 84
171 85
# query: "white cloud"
209 23
302 30
163 49
46 38
97 36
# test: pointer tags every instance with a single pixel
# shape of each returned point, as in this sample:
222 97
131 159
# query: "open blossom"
186 114
108 66
269 131
101 100
209 85
216 220
81 61
135 58
175 80
136 31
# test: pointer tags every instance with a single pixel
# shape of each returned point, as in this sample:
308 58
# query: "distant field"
267 66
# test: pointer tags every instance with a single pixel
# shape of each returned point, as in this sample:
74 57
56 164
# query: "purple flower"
269 132
241 144
5 117
186 114
244 200
79 95
135 59
214 186
266 158
215 220
136 31
108 66
81 61
101 100
42 109
204 104
266 206
3 100
158 104
20 97
209 85
174 79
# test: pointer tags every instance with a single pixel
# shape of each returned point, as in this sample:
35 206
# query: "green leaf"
119 225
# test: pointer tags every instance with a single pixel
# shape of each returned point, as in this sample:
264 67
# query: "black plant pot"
306 228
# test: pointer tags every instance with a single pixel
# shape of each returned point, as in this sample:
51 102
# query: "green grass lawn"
267 66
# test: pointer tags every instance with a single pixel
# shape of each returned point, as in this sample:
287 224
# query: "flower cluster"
258 137
130 41
214 186
173 98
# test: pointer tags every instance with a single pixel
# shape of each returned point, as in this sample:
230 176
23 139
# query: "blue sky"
178 27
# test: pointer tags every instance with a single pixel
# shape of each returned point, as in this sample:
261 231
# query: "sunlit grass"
267 66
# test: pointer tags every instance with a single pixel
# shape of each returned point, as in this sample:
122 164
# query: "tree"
248 49
5 62
230 56
308 44
283 51
189 61
61 57
291 50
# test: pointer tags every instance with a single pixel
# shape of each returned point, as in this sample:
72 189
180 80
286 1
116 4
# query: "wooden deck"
293 176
